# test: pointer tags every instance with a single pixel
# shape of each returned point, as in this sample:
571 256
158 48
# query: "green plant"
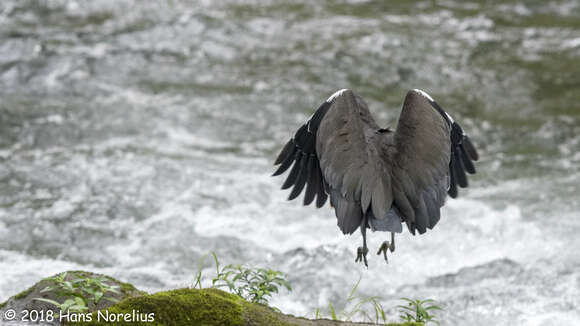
199 274
82 293
253 284
418 311
357 306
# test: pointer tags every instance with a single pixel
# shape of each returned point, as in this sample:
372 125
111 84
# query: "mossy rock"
25 300
207 307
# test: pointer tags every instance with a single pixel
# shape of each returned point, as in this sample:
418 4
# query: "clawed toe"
383 249
387 246
361 255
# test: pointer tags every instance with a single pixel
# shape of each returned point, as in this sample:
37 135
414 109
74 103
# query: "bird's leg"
361 252
386 245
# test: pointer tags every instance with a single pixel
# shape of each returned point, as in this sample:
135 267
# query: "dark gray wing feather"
337 153
432 157
422 159
291 180
463 155
300 153
286 157
313 181
352 161
302 176
348 213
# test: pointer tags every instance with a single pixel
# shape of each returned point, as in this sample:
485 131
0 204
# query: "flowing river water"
137 136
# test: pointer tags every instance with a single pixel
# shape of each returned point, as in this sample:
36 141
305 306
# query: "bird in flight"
378 178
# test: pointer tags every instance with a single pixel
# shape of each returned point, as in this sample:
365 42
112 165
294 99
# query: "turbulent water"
137 137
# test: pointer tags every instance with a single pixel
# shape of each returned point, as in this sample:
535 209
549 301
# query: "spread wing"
352 162
345 161
432 157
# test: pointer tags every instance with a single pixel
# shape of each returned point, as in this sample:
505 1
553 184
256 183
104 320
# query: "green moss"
178 307
3 304
24 293
206 307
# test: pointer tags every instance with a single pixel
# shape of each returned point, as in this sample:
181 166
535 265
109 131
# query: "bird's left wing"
335 153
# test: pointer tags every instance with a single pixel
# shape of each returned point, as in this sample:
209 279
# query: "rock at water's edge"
25 300
206 307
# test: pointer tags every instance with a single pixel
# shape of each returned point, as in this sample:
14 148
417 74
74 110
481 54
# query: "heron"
378 178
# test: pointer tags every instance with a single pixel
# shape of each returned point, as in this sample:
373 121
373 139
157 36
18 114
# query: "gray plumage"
389 177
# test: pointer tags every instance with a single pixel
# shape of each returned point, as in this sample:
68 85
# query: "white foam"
12 265
336 94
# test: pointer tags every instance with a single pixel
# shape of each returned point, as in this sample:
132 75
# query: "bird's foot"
361 255
384 247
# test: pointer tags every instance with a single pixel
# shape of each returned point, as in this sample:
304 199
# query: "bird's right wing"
351 162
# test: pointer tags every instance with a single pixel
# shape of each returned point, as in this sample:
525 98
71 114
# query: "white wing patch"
427 96
451 119
424 94
336 94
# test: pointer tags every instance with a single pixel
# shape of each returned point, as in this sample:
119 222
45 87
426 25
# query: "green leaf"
317 314
353 291
98 296
114 289
113 300
78 308
332 312
68 286
48 301
67 304
80 301
217 263
48 288
198 275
